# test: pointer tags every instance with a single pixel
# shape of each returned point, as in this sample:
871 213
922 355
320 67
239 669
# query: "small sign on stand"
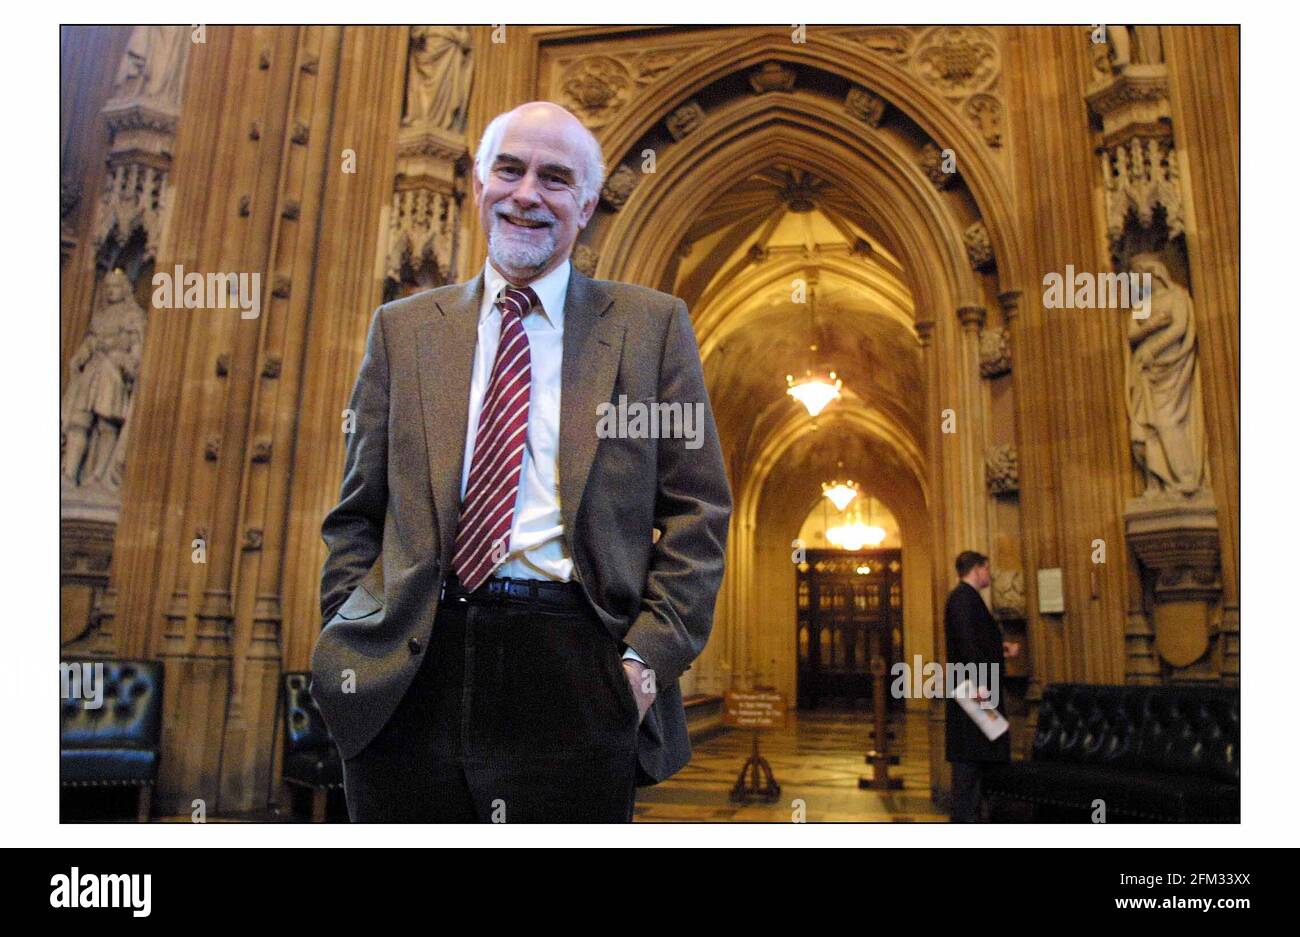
756 710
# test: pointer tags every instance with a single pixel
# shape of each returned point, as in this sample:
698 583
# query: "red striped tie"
483 537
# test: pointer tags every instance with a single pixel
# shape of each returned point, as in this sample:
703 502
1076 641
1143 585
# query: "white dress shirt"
536 549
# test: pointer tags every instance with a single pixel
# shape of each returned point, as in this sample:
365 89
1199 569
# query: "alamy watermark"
1086 290
648 419
942 681
83 680
181 290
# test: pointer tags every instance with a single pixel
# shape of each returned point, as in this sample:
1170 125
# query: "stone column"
1069 384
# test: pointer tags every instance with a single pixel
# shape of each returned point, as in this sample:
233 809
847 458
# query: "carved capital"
924 331
972 317
1010 303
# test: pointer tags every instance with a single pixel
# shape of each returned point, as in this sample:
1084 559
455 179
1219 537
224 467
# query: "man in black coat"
973 638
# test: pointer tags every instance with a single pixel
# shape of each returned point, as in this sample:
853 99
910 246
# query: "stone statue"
1129 45
151 67
438 77
97 401
1165 420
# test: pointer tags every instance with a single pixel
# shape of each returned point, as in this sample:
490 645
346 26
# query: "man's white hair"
591 165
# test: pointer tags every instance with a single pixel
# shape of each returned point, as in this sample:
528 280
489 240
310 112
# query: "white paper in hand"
991 722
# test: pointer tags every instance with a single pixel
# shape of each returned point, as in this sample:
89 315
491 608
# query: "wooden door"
841 597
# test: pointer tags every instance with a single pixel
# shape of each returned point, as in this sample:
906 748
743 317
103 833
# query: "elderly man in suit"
511 594
973 639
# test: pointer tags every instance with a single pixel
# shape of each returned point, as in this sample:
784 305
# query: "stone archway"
931 264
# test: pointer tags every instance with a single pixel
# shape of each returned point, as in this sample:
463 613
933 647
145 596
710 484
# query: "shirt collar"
551 289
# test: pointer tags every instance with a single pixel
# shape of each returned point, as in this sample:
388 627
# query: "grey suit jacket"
390 537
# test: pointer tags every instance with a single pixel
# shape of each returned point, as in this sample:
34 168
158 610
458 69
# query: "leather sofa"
1151 753
116 743
311 759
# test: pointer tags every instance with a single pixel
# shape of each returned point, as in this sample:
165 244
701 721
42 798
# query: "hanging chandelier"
814 390
840 493
818 386
854 534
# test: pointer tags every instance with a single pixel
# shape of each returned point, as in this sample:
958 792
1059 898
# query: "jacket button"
414 645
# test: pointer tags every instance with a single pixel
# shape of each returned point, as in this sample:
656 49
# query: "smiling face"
530 204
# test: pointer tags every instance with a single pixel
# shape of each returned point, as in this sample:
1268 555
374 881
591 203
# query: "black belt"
498 589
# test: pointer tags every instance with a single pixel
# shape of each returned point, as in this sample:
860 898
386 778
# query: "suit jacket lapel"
593 345
446 356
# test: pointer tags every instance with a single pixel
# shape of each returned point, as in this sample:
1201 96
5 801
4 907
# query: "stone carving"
958 60
891 42
932 160
1008 594
584 259
424 217
96 407
963 62
1125 46
595 88
135 197
152 66
1002 469
978 246
1177 540
685 119
772 76
1166 426
984 112
618 187
972 317
865 106
1141 175
141 117
995 352
421 233
438 74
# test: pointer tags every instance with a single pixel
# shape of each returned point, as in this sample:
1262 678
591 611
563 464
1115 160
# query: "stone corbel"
425 211
1177 541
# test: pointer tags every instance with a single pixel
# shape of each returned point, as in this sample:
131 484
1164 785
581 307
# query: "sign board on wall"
1051 592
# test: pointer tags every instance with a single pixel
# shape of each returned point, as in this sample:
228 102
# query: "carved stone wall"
866 117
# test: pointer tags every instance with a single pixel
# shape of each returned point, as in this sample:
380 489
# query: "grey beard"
508 252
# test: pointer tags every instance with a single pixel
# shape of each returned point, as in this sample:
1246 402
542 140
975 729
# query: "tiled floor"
818 759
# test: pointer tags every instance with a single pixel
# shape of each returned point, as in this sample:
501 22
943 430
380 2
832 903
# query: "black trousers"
518 714
967 784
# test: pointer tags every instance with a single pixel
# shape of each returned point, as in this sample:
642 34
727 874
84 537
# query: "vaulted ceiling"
737 269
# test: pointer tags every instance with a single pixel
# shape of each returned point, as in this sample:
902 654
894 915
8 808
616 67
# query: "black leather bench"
114 742
1166 754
